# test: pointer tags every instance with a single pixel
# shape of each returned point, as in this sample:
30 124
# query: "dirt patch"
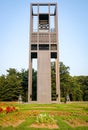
14 124
76 122
18 123
59 113
42 125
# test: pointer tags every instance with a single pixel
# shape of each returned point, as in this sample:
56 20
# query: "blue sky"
73 34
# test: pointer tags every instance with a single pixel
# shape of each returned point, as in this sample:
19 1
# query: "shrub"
45 118
62 99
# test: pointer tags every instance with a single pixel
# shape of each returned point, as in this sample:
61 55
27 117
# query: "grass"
70 116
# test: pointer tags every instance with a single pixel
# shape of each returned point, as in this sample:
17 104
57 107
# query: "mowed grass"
69 116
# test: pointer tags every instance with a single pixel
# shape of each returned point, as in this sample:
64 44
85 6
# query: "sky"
73 34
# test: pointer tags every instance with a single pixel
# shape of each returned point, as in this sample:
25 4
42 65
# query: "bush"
62 99
45 118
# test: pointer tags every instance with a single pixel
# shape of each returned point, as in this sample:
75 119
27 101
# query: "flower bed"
45 121
8 109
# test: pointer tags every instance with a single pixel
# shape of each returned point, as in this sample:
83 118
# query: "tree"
16 83
65 80
12 86
83 82
24 84
2 87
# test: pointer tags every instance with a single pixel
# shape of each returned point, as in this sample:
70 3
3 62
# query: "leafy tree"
12 86
64 69
83 82
70 85
16 83
2 87
24 84
65 80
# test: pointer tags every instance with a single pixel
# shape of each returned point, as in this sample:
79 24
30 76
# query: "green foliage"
16 83
65 80
10 86
24 84
2 87
83 81
62 99
45 118
76 87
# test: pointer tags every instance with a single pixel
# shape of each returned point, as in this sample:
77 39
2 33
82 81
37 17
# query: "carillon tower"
44 48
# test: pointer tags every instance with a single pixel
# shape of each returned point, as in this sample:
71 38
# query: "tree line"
15 83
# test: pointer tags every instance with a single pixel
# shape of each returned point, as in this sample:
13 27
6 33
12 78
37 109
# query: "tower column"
30 81
44 77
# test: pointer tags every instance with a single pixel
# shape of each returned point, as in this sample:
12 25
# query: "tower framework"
44 48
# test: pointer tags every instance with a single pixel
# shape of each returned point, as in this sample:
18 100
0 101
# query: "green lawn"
70 116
